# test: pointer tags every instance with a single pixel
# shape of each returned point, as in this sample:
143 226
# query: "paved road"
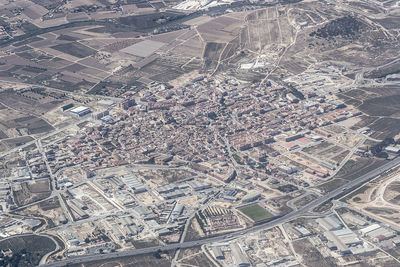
290 216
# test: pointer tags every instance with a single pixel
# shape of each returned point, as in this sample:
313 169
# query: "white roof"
79 109
370 228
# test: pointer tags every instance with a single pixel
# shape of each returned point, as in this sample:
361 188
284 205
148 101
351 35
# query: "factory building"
354 220
239 257
176 212
251 197
219 255
134 183
370 228
198 186
336 244
329 223
302 230
287 169
381 234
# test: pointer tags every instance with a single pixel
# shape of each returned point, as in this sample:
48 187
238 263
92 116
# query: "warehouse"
381 234
80 111
330 223
370 228
218 253
134 183
354 220
251 197
336 243
239 257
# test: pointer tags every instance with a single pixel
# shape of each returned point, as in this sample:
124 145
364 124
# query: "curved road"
290 216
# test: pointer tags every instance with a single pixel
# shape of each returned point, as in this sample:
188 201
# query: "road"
290 216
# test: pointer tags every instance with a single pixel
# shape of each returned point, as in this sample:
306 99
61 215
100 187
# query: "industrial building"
369 228
176 212
219 255
106 103
330 223
239 256
134 183
80 111
302 230
198 186
253 196
354 220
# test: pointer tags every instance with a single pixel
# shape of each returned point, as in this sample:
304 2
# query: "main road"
346 188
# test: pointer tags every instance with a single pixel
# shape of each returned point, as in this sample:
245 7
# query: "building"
329 223
219 255
393 149
198 186
66 107
250 197
106 103
354 220
239 257
292 98
370 228
396 241
336 244
135 183
98 116
127 103
287 169
302 230
80 111
177 211
293 137
381 234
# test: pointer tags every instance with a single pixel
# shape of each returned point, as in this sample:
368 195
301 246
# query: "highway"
290 216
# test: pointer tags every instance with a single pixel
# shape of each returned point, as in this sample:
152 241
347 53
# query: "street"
290 216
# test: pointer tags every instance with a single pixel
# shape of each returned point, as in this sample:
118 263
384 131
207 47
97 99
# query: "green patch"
237 159
256 212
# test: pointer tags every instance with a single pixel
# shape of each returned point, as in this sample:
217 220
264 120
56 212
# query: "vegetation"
25 250
345 27
237 158
287 188
295 92
377 150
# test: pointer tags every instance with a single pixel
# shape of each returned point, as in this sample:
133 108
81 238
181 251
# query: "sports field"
256 212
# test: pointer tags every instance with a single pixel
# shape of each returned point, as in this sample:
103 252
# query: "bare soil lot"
165 176
31 192
311 256
75 49
18 141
